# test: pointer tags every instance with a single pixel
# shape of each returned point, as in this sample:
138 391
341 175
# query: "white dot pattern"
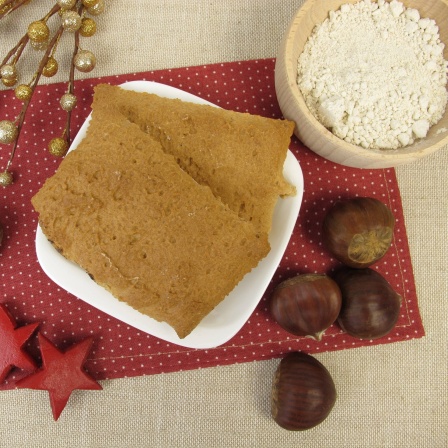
120 350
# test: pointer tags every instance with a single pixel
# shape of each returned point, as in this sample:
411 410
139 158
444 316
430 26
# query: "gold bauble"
88 27
8 71
8 132
38 31
58 147
23 92
9 82
85 61
5 178
51 67
97 9
68 101
71 21
66 4
89 3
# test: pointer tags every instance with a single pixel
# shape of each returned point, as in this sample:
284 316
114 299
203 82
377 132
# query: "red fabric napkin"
120 350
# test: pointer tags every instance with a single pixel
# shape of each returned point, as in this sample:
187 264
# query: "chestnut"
358 231
303 392
306 305
370 306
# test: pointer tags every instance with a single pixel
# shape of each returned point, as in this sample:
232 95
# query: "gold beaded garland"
88 27
58 147
71 21
68 101
5 178
51 67
8 132
23 92
38 31
85 61
38 36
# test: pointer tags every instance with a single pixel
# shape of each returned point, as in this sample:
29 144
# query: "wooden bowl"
313 134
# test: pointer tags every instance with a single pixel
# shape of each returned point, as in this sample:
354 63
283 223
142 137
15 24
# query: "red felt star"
12 340
61 373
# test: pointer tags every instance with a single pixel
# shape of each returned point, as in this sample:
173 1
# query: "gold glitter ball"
66 4
8 71
38 31
85 61
8 132
88 27
9 82
5 178
89 3
68 101
51 67
71 21
58 147
23 92
97 9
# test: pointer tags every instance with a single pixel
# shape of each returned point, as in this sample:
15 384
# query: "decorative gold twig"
22 42
70 86
17 50
52 11
72 20
33 83
7 10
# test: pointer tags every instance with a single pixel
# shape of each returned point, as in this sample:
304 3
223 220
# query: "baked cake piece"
238 155
123 209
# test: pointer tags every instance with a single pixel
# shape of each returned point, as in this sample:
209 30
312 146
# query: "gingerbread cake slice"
123 209
238 155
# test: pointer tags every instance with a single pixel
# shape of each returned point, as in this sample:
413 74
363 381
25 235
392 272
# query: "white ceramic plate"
231 314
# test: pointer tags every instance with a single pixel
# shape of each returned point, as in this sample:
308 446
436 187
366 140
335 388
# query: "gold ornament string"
82 60
36 77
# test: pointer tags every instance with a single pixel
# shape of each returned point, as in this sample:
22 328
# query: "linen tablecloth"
389 395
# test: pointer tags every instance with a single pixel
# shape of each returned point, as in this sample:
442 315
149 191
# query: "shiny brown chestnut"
303 392
370 306
306 305
358 231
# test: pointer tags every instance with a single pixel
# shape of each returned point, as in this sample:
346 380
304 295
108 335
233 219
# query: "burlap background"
393 395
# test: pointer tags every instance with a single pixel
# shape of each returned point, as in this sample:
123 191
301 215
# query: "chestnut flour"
374 74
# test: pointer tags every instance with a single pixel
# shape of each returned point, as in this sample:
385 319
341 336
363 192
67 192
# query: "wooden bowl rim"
417 149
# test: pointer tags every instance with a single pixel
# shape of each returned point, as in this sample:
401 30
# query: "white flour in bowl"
374 74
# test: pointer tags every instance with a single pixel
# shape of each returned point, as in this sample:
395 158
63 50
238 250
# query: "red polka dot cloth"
120 350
